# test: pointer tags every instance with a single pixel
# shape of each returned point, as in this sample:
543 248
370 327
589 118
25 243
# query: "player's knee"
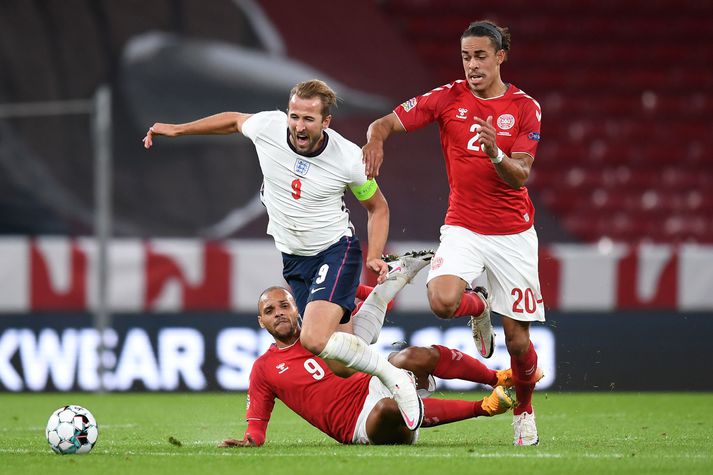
402 357
443 305
313 343
444 295
414 358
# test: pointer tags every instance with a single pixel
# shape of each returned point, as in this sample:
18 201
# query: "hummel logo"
282 367
316 290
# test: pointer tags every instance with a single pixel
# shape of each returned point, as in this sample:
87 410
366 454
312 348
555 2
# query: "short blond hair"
316 88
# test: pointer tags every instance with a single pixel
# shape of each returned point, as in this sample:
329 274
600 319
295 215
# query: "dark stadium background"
626 91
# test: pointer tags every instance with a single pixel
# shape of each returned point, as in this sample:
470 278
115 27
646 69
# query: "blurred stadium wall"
621 181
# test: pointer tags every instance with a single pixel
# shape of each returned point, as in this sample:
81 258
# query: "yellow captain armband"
365 191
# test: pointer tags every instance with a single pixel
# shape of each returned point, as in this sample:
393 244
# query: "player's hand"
487 136
246 442
380 267
373 157
158 129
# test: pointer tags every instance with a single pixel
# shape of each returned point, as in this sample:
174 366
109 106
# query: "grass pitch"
177 433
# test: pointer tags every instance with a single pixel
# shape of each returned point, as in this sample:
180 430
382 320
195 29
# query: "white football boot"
482 327
406 266
525 429
409 402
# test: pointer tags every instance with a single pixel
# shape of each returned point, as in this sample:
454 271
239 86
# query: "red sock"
454 364
470 304
443 411
363 291
523 374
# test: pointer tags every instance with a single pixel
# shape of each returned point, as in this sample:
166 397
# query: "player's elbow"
382 208
518 180
383 127
517 184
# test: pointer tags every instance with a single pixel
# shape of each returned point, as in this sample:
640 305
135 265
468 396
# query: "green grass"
580 433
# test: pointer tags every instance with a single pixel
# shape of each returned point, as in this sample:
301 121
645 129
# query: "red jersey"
307 386
479 199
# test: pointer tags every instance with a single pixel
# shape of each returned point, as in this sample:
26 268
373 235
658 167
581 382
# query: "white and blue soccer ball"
72 430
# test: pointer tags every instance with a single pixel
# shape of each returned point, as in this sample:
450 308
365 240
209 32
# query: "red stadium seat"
626 144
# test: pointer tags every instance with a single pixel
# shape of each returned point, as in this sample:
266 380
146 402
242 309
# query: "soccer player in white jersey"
489 131
307 167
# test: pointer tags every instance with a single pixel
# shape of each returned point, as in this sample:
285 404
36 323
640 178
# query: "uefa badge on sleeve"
410 104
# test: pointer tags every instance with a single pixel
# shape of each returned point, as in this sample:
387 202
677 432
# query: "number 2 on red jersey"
473 143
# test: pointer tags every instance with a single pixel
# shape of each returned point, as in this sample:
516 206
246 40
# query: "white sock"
369 319
367 323
355 353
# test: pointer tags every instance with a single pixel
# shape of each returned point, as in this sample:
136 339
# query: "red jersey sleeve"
529 131
261 397
420 111
256 430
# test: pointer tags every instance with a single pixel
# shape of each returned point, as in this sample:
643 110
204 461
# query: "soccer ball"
72 430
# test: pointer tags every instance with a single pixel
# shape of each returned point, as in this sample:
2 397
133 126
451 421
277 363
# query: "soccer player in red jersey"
489 133
358 409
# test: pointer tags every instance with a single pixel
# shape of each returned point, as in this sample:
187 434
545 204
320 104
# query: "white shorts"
377 392
509 263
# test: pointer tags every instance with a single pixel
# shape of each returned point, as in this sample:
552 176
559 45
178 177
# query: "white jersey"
304 195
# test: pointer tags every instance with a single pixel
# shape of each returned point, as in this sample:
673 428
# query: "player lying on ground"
358 409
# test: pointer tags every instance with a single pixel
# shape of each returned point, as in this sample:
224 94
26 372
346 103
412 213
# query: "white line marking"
371 454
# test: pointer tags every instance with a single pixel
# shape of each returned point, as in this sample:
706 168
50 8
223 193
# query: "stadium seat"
624 150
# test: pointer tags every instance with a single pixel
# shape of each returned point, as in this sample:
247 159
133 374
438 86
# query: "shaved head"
269 290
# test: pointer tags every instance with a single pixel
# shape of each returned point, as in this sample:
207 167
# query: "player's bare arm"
376 135
514 170
218 124
378 232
